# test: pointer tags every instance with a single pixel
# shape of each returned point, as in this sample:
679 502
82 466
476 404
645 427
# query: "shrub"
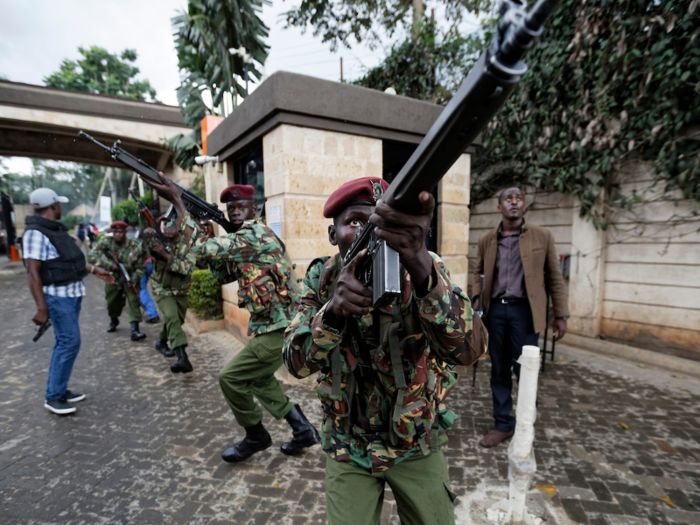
205 295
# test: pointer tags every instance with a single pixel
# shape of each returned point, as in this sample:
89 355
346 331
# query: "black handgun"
193 203
41 330
481 95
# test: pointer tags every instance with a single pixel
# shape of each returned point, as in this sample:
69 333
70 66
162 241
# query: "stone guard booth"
298 138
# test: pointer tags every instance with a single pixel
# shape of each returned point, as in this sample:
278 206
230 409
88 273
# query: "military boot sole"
138 337
177 368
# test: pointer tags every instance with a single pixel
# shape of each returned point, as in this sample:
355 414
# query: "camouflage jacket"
174 277
369 420
131 254
255 257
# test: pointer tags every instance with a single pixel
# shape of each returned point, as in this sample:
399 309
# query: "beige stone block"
330 145
350 169
309 248
348 146
230 292
451 213
273 164
292 138
326 167
236 320
373 169
305 184
313 142
307 229
271 142
366 148
296 208
295 162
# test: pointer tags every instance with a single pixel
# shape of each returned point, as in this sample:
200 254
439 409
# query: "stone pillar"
453 220
586 275
303 167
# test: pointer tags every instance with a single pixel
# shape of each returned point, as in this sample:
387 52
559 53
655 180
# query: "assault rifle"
127 278
42 329
481 95
193 203
150 221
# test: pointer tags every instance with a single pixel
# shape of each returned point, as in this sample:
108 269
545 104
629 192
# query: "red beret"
366 190
116 225
237 192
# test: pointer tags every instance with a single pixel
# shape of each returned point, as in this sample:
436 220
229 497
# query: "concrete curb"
670 363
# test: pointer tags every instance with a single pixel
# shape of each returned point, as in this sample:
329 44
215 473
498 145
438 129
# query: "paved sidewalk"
615 444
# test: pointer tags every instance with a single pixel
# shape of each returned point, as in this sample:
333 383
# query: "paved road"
145 446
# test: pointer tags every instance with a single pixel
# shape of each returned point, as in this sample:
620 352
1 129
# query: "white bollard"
521 459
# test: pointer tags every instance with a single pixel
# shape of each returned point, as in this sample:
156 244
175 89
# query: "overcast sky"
37 35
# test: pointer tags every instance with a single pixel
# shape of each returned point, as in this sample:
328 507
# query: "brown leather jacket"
540 266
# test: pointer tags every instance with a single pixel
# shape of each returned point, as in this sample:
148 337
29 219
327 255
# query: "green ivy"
611 81
128 211
205 295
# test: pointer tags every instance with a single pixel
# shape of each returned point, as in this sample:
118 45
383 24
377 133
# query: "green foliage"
427 67
608 83
205 295
127 210
104 73
203 36
368 21
71 221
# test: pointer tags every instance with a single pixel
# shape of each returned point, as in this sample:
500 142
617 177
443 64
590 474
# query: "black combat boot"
256 439
135 334
304 434
113 323
163 348
183 364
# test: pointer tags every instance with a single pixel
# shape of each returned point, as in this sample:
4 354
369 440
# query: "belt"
510 300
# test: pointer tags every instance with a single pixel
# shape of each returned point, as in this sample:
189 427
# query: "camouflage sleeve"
98 255
230 248
136 261
183 260
307 341
446 316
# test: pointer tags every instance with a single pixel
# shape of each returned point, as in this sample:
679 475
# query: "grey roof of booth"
300 100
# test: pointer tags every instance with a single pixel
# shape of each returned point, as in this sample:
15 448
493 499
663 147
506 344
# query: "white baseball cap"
44 197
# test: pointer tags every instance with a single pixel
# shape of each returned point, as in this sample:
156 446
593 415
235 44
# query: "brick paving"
145 446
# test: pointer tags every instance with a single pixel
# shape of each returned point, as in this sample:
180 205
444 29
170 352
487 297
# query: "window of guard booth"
394 156
248 169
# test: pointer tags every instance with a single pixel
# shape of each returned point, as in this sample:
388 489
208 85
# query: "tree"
103 73
369 21
608 83
203 36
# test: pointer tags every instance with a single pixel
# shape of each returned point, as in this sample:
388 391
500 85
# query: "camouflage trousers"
420 484
173 309
116 302
251 374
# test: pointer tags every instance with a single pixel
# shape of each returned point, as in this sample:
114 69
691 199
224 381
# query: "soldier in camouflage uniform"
130 253
171 280
255 257
384 373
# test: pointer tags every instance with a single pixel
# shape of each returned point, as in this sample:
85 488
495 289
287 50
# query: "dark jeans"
510 328
64 313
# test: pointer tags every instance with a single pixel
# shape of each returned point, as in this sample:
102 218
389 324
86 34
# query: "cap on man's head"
366 190
44 197
238 192
118 225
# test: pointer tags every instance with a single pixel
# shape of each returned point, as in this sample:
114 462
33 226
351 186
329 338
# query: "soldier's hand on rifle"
350 297
406 234
114 267
168 191
160 250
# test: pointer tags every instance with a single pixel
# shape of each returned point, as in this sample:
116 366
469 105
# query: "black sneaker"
74 397
59 406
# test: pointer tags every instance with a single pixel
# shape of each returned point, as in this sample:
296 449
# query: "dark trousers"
510 328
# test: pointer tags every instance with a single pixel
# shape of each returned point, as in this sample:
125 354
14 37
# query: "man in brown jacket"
520 266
